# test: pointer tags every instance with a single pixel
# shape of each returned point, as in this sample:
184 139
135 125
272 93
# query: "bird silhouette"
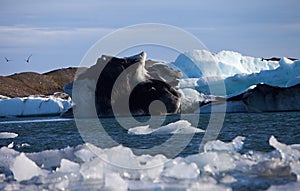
7 60
28 59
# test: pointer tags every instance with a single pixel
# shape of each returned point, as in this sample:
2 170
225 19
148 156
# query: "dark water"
53 133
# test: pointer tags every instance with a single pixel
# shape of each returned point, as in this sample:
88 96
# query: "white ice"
8 135
178 127
236 145
233 71
202 63
87 167
24 169
28 106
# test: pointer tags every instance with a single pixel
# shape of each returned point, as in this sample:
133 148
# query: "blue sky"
59 32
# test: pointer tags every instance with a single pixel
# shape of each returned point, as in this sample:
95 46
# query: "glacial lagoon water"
51 133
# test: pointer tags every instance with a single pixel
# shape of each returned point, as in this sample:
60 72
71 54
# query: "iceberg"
204 64
203 71
34 106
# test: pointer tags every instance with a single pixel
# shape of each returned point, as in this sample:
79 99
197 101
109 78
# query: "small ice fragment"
287 152
85 154
140 130
23 145
182 170
236 145
228 180
295 169
113 181
11 145
68 166
92 169
24 169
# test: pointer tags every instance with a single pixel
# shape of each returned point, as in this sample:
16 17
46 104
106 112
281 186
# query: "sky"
58 33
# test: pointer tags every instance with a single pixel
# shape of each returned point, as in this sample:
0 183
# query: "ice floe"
178 127
87 167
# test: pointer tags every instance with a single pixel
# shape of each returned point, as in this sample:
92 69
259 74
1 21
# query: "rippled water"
53 133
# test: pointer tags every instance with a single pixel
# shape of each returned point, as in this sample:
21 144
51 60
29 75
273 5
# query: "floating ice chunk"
93 169
153 166
7 157
50 159
68 166
181 170
140 130
295 169
227 179
287 152
11 145
178 127
120 157
217 161
85 154
24 169
271 168
113 181
23 145
236 145
8 135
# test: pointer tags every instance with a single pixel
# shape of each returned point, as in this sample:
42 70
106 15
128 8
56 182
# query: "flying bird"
28 59
7 60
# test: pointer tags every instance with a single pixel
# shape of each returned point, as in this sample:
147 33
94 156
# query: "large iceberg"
34 106
204 71
204 64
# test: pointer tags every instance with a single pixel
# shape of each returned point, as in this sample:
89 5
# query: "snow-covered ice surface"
178 127
204 71
33 106
87 167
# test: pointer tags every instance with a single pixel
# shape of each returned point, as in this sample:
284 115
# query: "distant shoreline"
31 83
